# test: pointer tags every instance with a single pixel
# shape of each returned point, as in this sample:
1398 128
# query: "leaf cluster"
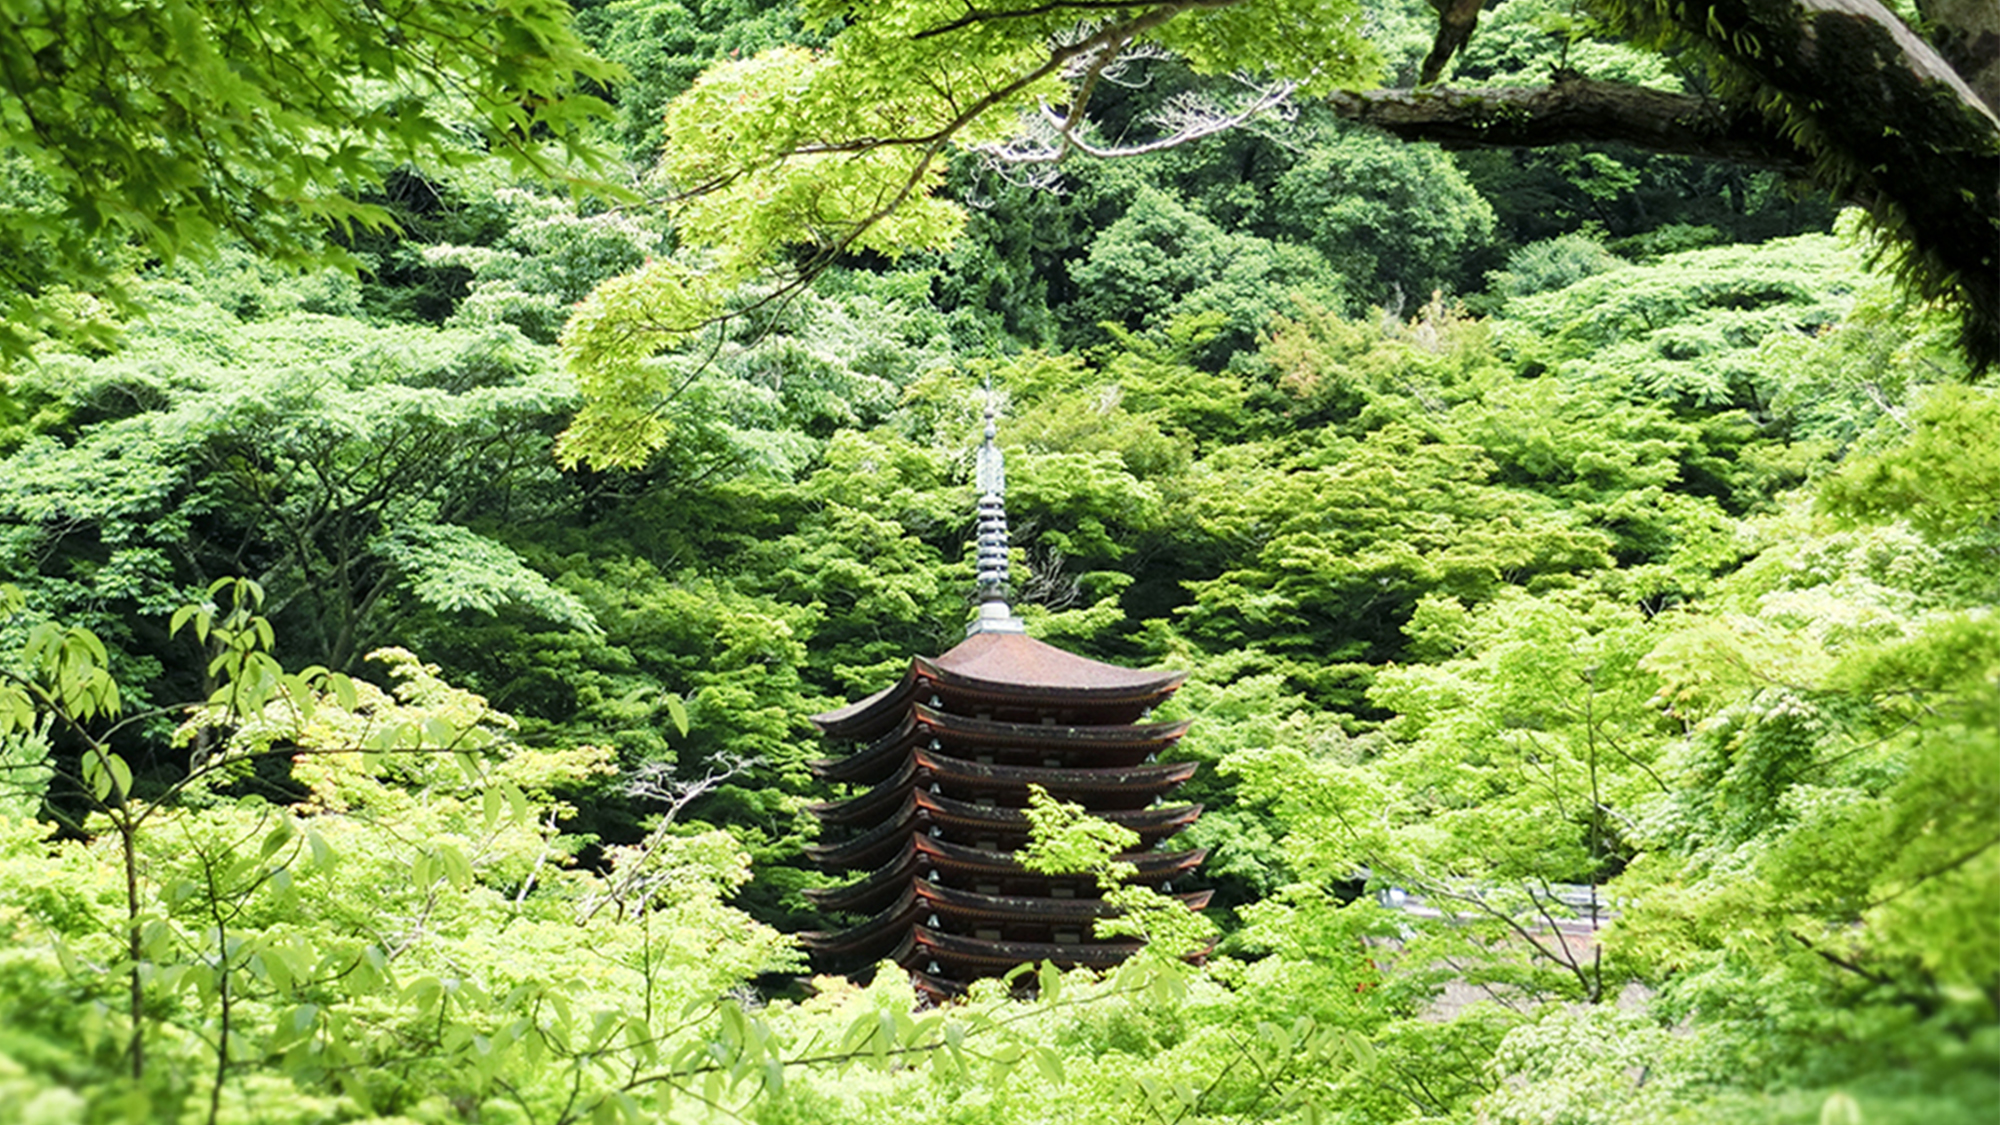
174 128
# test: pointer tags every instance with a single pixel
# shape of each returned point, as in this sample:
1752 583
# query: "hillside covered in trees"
447 451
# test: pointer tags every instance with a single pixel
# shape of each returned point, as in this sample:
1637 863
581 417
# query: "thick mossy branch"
1839 91
1967 34
1887 120
1573 110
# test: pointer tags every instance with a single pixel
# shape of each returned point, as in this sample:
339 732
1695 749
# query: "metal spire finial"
991 559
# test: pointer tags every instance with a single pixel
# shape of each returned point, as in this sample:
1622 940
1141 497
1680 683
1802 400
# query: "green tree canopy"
796 157
170 127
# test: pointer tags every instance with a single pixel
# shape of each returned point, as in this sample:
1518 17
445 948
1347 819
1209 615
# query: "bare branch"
1048 137
655 781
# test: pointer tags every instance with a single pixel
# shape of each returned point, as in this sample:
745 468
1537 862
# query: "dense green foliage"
177 127
382 739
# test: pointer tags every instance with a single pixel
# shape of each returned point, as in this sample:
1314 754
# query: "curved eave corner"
865 716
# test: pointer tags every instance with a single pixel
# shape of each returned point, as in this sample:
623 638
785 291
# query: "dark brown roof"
949 856
1010 826
1002 667
980 956
934 958
952 902
869 716
866 943
937 990
1009 662
1116 786
871 848
869 807
886 932
927 853
1106 745
874 762
963 730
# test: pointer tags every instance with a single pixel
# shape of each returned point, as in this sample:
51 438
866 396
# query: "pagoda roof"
1009 664
873 762
962 729
928 853
991 959
955 902
882 934
1119 743
986 957
1001 668
948 856
1004 825
936 989
1141 783
1132 785
872 940
871 847
867 807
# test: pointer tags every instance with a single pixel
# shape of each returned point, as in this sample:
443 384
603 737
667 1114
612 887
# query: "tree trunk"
1967 34
1837 90
1888 121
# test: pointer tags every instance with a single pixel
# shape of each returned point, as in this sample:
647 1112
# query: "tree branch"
975 16
1886 118
1575 109
1967 34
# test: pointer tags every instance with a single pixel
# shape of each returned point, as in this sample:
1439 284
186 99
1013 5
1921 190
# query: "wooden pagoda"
944 761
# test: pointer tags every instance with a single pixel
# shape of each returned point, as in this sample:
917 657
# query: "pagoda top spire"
990 591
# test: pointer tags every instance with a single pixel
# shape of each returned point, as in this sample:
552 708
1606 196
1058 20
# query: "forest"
448 451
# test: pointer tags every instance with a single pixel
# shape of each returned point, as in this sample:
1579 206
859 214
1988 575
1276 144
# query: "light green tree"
166 130
343 465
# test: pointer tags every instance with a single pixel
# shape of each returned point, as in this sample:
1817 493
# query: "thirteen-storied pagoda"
945 760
